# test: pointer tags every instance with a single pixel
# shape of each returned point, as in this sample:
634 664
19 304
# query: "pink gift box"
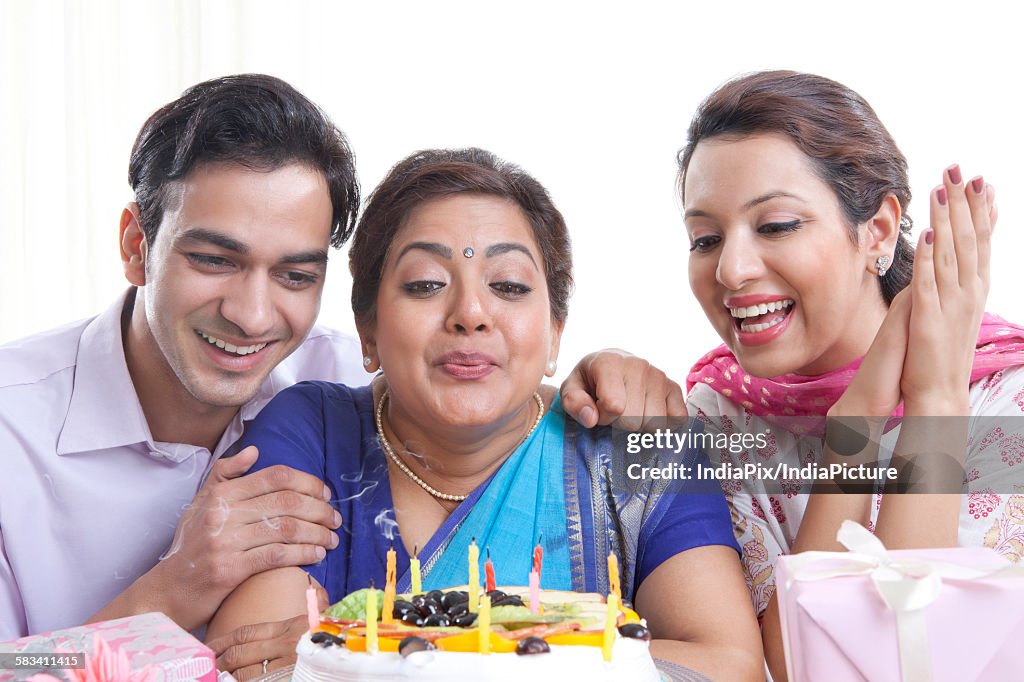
151 639
837 626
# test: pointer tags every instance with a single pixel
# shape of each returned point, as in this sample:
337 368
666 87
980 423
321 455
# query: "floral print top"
766 516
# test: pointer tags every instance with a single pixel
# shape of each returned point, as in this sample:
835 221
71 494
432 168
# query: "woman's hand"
875 389
262 620
242 651
948 292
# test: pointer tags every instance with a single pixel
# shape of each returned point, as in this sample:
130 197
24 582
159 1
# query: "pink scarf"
1000 345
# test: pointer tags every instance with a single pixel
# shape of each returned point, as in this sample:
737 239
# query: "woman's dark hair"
255 120
835 127
436 173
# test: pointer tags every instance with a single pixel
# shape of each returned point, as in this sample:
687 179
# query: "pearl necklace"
416 479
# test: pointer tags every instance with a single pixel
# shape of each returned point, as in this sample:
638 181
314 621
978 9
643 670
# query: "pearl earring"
367 361
552 366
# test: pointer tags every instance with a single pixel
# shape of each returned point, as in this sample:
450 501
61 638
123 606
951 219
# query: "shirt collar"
104 411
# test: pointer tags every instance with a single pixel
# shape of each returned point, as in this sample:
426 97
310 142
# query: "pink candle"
489 583
312 607
534 592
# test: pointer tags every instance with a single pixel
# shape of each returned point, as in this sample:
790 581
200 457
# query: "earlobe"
133 245
556 339
371 362
883 231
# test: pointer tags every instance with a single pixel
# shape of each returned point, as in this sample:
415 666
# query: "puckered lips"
231 354
464 364
759 318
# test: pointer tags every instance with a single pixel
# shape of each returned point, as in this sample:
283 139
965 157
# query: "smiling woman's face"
772 263
463 339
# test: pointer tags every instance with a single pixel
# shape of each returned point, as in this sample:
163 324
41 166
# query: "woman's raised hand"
875 389
948 292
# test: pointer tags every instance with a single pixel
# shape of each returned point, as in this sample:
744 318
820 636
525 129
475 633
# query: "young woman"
795 201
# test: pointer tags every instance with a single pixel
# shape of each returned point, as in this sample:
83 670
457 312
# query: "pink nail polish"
940 194
954 174
929 236
978 184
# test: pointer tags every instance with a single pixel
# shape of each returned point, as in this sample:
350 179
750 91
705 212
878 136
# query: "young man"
109 426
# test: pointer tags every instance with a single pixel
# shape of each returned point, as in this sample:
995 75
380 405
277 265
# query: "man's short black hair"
255 120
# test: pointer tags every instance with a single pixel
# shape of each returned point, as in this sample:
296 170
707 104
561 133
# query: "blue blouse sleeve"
692 513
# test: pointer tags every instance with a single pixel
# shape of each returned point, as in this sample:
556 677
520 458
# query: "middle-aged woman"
794 197
461 276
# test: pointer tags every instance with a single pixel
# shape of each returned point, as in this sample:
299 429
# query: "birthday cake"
436 636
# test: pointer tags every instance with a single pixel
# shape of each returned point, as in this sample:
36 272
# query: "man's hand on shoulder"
617 388
237 526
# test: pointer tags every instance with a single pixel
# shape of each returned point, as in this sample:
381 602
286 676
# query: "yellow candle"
371 620
484 621
414 569
474 576
387 615
613 575
610 622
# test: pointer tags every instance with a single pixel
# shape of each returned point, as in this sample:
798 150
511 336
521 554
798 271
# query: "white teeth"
760 309
760 327
231 348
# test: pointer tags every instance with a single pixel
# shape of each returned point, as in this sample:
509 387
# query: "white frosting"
631 660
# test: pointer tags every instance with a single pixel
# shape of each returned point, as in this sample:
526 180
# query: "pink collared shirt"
88 500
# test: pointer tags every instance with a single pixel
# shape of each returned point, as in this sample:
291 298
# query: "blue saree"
566 486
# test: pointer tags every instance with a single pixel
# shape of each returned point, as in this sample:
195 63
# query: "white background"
592 98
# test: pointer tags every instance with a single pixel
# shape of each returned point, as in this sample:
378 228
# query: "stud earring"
552 366
883 265
367 361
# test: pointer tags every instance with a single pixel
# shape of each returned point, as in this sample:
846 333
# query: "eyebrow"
695 213
430 247
506 247
206 236
200 234
446 253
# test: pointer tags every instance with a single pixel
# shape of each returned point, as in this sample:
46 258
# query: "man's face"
233 280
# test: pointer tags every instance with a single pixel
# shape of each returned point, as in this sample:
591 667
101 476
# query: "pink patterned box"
151 641
940 615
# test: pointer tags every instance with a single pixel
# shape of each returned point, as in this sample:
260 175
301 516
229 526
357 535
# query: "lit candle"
484 619
371 620
538 556
414 569
312 606
387 615
534 592
613 575
610 621
489 583
474 576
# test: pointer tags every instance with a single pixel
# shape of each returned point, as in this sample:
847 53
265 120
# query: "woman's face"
771 259
464 329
